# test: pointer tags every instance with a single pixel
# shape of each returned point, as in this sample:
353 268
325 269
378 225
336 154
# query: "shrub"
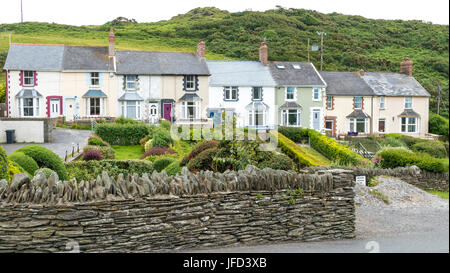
438 125
26 162
174 168
87 170
162 162
165 124
125 120
393 142
107 152
144 140
14 168
295 134
47 172
433 148
162 138
122 134
97 141
157 151
295 152
203 161
277 162
148 145
3 164
401 157
198 148
92 155
46 158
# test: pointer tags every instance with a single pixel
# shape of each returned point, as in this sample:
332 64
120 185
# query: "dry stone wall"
161 213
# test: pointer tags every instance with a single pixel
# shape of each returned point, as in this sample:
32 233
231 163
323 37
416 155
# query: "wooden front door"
167 111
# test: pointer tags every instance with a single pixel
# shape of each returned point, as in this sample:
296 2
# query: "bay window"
190 109
28 107
290 117
94 106
131 109
408 125
358 125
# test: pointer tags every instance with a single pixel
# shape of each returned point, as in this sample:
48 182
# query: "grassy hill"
351 43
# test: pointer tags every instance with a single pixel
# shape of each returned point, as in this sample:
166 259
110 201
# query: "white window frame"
229 91
190 81
130 81
185 105
382 102
124 105
360 103
353 125
294 94
332 124
28 77
408 102
407 125
260 93
34 106
94 76
285 117
99 106
315 91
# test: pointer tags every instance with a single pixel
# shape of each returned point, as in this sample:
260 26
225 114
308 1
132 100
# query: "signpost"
361 179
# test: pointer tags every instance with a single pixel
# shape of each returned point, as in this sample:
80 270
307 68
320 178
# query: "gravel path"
409 210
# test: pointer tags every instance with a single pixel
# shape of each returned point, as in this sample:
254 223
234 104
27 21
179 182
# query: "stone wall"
160 213
27 130
413 175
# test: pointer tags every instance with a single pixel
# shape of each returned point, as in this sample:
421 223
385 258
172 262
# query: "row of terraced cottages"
85 82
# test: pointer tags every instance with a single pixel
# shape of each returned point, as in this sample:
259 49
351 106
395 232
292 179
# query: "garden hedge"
433 148
45 158
401 157
14 168
87 170
295 152
122 134
26 162
162 162
439 125
3 164
173 168
161 138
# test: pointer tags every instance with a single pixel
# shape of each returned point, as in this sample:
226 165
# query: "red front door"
167 111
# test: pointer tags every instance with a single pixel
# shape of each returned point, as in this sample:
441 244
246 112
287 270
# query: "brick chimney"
362 72
406 66
111 51
263 53
201 46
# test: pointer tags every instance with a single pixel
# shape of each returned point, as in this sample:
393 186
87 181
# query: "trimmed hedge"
401 157
433 148
122 134
26 162
162 162
87 170
3 164
45 158
295 152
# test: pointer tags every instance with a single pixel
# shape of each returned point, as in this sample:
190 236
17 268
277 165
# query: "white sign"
360 179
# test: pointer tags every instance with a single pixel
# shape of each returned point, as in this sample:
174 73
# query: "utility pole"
321 33
438 99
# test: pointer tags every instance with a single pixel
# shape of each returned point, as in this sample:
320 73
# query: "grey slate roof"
290 104
239 73
28 93
34 57
409 113
346 84
91 58
94 94
358 114
160 63
130 96
394 84
190 97
307 75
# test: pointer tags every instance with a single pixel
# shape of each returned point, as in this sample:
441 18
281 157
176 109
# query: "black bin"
10 136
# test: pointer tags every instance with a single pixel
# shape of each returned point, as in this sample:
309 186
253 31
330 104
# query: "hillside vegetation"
351 43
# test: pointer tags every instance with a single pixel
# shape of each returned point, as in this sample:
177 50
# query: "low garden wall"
159 213
413 175
27 130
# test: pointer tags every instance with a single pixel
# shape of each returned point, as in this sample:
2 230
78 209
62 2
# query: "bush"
124 120
401 157
148 145
87 170
174 168
157 151
203 161
3 164
26 162
162 138
92 155
107 152
122 134
433 148
14 168
46 158
295 134
393 142
277 162
295 152
96 141
144 140
47 172
198 148
162 162
165 124
438 125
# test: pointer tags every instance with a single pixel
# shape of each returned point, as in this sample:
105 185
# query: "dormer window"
28 78
130 82
95 79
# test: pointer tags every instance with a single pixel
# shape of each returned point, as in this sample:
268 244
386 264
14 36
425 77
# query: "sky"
97 12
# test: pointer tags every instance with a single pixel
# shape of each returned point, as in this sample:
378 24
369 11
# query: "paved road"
63 140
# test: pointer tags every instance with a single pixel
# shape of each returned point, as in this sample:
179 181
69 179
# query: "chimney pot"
201 46
264 53
406 66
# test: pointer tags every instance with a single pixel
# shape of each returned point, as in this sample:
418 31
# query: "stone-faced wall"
161 213
412 175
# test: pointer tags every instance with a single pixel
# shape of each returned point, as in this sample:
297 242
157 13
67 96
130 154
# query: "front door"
316 120
167 111
54 108
153 112
70 109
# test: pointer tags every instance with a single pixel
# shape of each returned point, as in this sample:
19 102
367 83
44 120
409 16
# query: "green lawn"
325 161
128 152
442 194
